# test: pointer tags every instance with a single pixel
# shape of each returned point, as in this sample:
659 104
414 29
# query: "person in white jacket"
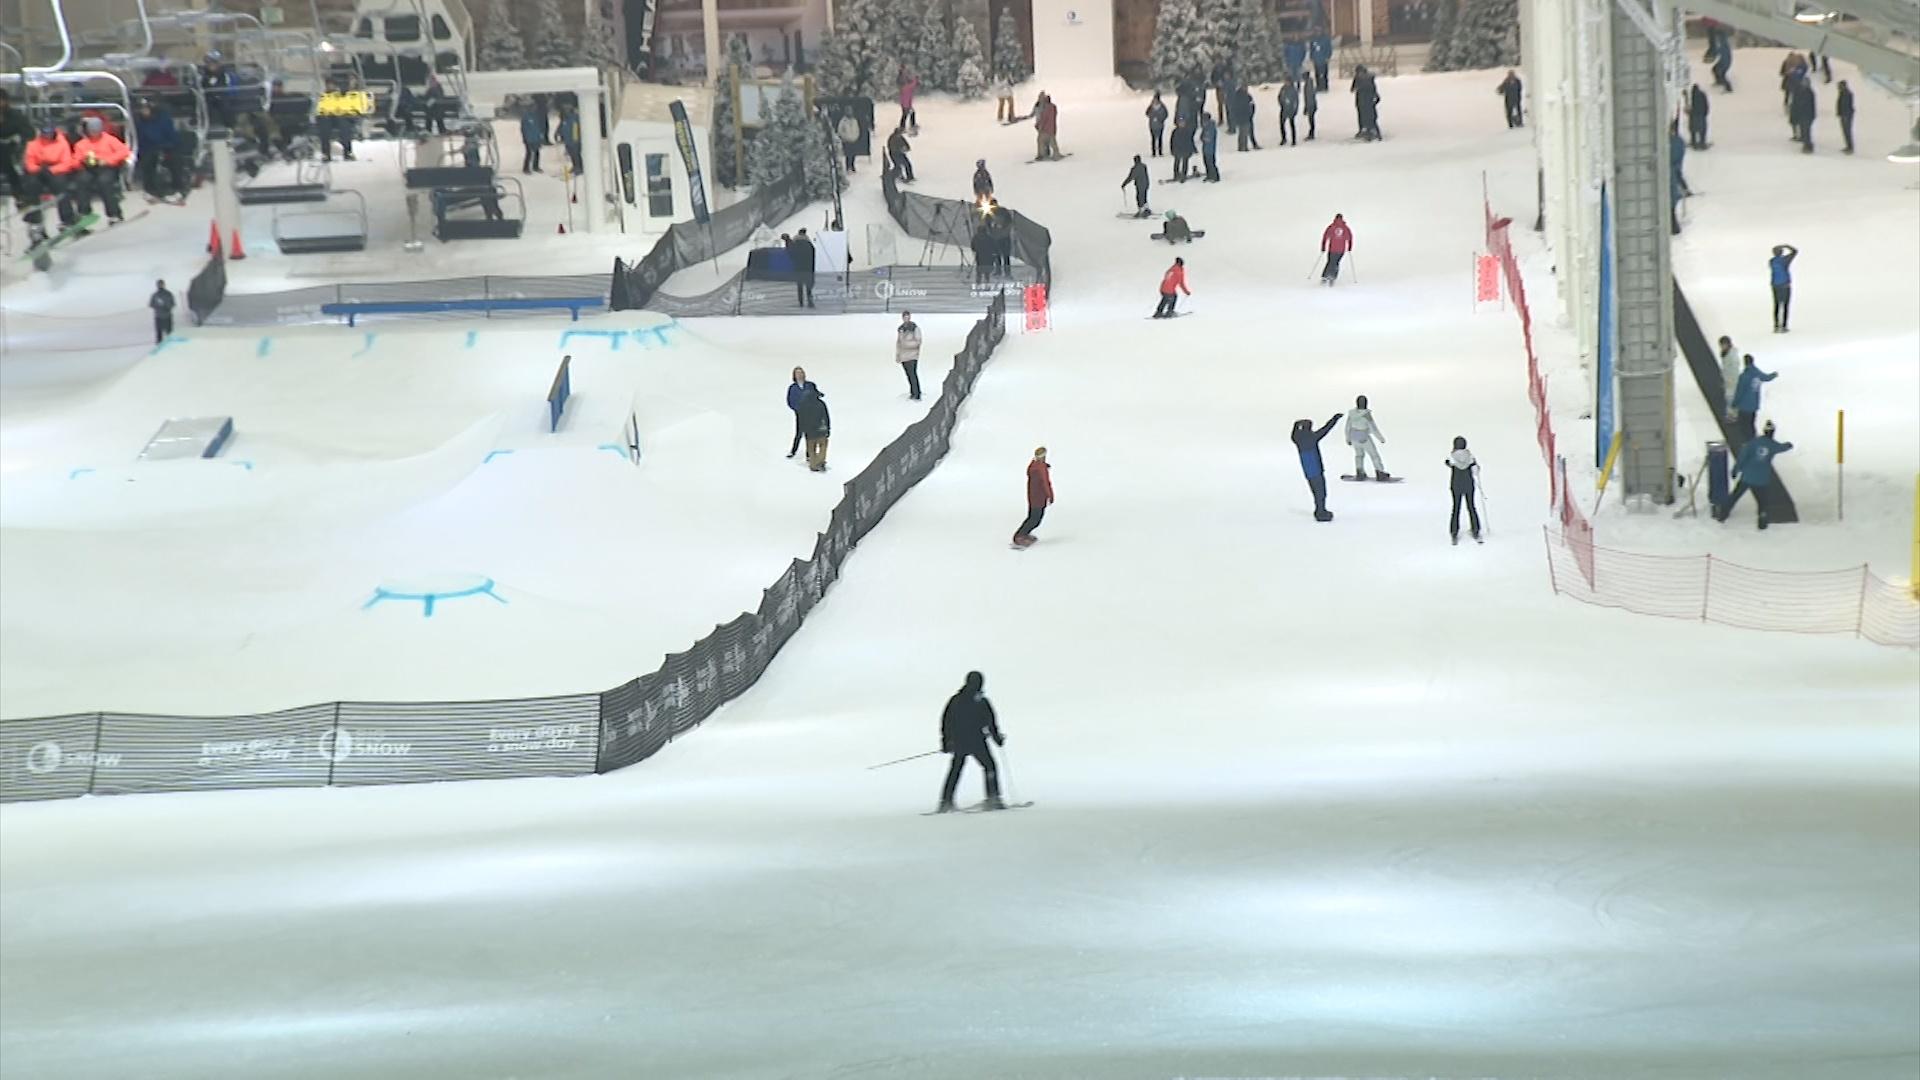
1463 474
1729 373
1361 433
906 352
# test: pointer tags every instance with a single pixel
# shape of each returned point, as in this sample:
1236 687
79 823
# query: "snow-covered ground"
1311 800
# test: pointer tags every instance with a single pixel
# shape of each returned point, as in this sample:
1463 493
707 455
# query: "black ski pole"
898 761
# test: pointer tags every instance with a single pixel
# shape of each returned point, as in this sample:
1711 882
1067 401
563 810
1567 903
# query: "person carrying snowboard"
1177 231
966 726
982 181
1361 433
1753 468
1137 176
1336 241
1156 126
1172 284
1307 440
1464 472
815 424
1039 497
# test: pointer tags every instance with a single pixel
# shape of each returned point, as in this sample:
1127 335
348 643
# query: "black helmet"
1360 402
1459 442
975 681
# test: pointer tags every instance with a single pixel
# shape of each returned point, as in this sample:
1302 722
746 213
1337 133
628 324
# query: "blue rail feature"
574 305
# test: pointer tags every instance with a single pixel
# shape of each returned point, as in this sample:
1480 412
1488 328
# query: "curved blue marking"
75 474
242 462
266 346
472 336
368 347
428 599
491 454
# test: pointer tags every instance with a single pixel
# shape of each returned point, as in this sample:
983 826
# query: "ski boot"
1360 475
1456 539
1382 475
945 807
1323 515
994 802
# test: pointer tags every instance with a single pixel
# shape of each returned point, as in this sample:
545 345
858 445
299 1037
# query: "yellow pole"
1913 572
1606 470
1840 462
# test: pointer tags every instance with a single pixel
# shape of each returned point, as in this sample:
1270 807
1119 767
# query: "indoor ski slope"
1312 800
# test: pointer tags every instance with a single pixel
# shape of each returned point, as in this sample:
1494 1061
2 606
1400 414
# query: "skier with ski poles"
1137 176
966 726
1336 241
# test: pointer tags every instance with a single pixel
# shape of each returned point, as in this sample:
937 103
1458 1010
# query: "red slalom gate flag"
1036 305
1486 279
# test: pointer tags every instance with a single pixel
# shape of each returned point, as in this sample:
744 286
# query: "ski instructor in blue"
965 727
1307 440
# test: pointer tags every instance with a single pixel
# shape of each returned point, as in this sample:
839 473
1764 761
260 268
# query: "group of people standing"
1196 132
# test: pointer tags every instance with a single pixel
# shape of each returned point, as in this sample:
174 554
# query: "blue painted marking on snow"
368 347
242 462
491 454
428 599
75 474
266 346
170 341
613 337
625 454
472 336
659 332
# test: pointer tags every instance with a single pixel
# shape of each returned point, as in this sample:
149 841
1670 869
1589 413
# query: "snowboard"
1197 234
1134 217
977 808
1175 315
41 250
1037 161
1371 480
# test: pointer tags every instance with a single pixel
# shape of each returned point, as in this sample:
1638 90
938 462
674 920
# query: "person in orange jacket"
47 163
98 158
1171 286
1039 497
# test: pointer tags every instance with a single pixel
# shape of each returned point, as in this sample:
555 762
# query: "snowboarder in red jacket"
1039 497
1336 242
1171 286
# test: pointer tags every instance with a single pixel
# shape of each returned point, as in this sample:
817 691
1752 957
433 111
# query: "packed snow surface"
1311 800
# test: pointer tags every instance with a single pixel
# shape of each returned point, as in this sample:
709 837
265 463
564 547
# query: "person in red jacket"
1039 497
1336 242
1171 286
98 158
47 163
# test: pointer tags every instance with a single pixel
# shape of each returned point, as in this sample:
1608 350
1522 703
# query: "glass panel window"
363 28
441 31
403 28
659 187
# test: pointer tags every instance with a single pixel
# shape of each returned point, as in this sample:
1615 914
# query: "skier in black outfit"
1464 471
965 727
982 180
1242 104
1137 176
1844 110
1697 110
1801 110
1307 440
1182 149
897 148
800 250
1289 108
1156 126
1366 104
162 304
1510 91
1310 104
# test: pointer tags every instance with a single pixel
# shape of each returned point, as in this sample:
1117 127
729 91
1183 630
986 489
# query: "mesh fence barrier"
349 743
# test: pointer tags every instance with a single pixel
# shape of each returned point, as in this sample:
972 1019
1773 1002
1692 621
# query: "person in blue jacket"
1210 146
1320 51
797 391
1307 440
1780 273
1746 393
1294 52
1754 471
533 137
159 143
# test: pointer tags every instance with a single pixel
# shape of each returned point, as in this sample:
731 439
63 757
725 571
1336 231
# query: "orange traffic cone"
213 239
238 251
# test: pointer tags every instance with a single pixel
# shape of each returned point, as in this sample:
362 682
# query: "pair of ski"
979 808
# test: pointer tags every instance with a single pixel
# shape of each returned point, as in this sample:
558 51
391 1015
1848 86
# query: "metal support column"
1643 270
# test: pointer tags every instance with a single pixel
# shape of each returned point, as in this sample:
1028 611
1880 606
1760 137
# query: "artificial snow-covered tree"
501 46
551 47
970 68
1486 34
903 21
599 45
792 139
852 60
725 147
1440 52
1253 52
1009 53
1190 38
933 58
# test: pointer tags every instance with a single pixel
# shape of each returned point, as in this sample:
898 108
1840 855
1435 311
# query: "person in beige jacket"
906 352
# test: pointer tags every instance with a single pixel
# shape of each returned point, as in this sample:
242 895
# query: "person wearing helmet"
97 160
1177 230
967 724
1753 470
982 180
1137 177
48 164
